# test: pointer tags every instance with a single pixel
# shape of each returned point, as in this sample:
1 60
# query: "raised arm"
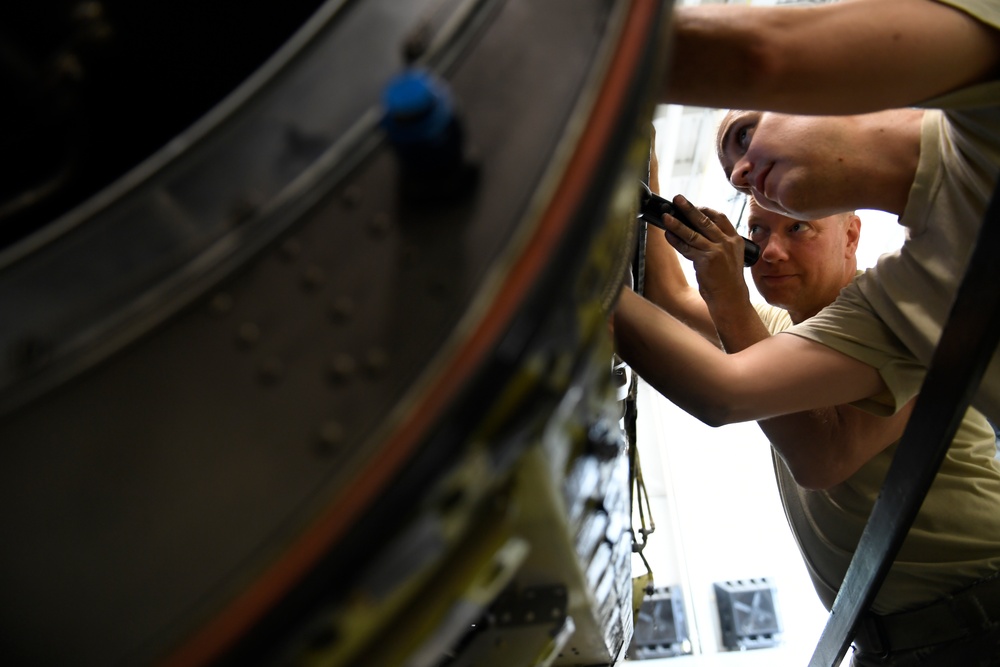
665 282
846 57
667 287
717 256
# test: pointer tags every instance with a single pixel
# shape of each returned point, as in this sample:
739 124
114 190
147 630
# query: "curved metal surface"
136 252
235 371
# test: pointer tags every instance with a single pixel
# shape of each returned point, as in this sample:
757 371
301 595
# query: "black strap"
967 344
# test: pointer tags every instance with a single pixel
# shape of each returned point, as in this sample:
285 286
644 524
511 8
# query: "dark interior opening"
92 88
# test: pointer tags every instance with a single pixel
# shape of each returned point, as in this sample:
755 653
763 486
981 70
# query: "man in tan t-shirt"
830 463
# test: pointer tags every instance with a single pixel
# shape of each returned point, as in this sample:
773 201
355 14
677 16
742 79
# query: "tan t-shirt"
954 541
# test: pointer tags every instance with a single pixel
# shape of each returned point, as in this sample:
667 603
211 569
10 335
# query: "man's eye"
744 135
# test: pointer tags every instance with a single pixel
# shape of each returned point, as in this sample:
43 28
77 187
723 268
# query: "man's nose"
740 176
773 250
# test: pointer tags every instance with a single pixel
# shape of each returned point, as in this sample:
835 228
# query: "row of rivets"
343 367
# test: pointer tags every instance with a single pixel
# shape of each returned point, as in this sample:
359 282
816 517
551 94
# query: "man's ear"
853 232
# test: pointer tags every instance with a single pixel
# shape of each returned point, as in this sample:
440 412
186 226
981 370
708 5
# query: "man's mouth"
776 278
760 183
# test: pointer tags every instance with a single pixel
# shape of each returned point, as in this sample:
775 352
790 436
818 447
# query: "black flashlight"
651 210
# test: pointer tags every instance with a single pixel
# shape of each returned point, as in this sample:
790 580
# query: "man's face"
803 264
793 165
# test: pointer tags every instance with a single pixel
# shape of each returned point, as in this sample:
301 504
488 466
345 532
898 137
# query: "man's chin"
777 298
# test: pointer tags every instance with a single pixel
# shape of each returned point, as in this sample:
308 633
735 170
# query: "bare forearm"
847 57
670 356
736 321
780 375
667 287
665 282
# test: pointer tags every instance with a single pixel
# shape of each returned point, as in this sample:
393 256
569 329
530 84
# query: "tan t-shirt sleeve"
849 326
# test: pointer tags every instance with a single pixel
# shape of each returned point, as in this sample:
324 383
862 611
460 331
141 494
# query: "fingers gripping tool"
651 210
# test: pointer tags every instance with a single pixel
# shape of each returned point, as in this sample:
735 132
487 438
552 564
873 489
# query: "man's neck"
800 315
890 157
